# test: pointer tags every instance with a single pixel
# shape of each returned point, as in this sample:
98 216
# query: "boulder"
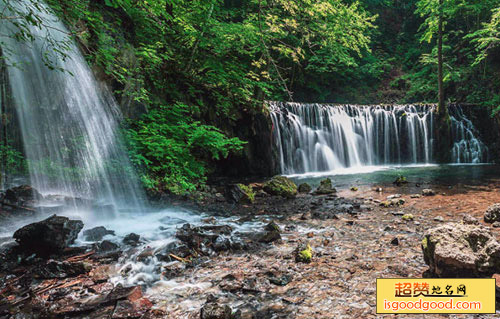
325 187
461 250
22 194
470 220
428 192
303 253
131 239
305 188
202 238
96 233
281 186
51 235
400 180
239 193
492 214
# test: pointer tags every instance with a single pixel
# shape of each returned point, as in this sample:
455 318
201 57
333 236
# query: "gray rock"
492 214
96 233
131 239
49 236
305 188
469 220
439 219
213 310
460 250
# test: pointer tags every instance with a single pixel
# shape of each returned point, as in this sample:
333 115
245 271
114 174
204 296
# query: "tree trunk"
443 129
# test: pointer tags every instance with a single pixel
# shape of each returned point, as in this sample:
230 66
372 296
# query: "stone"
393 196
131 239
325 187
61 269
202 238
213 310
281 186
395 241
428 192
305 188
96 233
303 253
240 194
438 219
21 194
492 214
49 236
496 225
415 196
354 189
176 248
400 180
408 217
469 220
106 245
461 250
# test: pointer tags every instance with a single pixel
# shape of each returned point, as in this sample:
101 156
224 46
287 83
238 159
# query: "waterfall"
69 124
323 137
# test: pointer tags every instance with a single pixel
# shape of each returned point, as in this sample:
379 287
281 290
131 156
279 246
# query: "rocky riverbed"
220 268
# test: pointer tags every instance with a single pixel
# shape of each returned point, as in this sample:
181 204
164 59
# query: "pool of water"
451 174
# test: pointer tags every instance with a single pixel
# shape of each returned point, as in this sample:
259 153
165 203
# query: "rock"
203 238
61 269
281 186
415 196
496 224
106 246
305 188
280 281
51 235
303 253
379 190
131 239
176 248
438 219
408 217
354 189
460 250
395 241
22 194
239 193
325 187
96 233
469 220
492 214
428 192
393 202
400 180
212 310
398 213
393 196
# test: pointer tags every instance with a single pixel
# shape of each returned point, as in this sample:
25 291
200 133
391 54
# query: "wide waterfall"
324 137
69 124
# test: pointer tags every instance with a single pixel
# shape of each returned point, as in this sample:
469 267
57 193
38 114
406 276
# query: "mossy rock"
304 254
281 186
401 180
305 188
408 217
354 189
325 187
249 194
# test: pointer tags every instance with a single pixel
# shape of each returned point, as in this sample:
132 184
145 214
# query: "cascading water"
322 137
68 123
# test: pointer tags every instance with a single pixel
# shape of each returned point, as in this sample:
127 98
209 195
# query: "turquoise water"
471 174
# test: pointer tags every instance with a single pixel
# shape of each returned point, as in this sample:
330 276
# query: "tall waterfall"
322 137
69 124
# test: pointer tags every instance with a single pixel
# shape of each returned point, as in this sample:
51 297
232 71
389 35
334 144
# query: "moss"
250 194
354 189
305 255
407 217
385 204
281 186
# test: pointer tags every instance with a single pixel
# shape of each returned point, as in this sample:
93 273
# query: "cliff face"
488 127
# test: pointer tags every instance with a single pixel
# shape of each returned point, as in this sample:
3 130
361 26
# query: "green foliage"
173 150
12 160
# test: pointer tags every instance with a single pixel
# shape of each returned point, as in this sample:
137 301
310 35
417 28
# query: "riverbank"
354 238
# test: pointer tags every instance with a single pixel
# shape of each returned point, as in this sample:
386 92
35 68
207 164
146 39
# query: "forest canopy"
185 72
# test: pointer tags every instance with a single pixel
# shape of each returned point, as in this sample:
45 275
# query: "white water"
335 138
69 123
